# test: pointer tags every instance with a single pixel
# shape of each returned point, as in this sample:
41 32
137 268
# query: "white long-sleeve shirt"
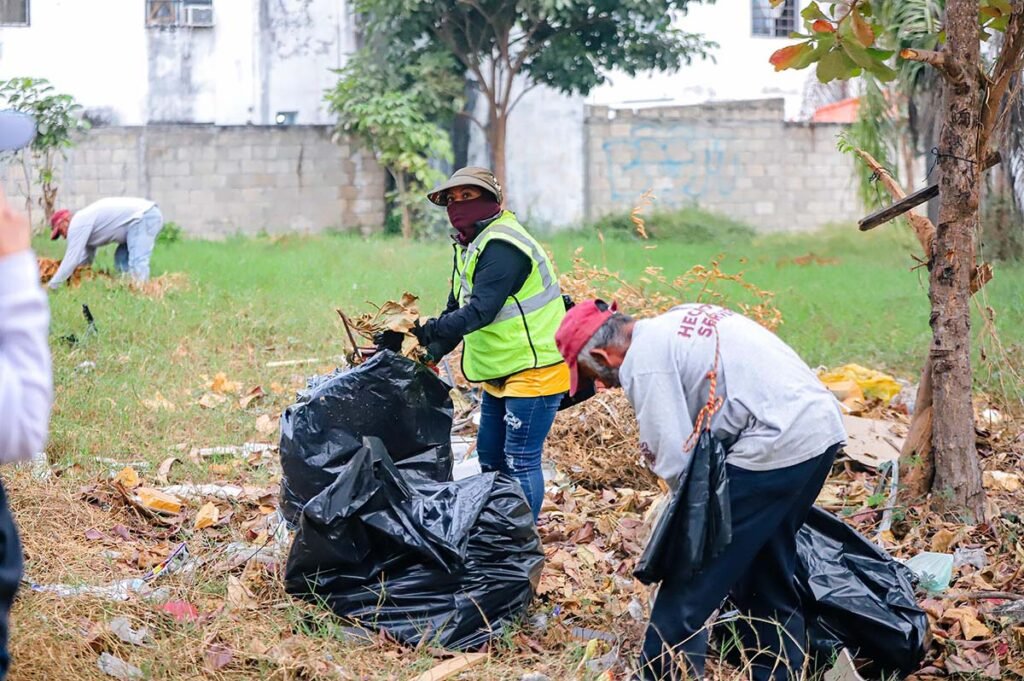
26 383
104 222
775 411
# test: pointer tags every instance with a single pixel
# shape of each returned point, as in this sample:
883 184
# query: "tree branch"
922 226
520 96
473 119
448 38
1007 64
936 59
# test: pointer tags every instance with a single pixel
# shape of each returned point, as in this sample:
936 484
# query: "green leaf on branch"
836 65
812 12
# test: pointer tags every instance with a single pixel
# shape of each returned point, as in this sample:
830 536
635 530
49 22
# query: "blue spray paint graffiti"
681 162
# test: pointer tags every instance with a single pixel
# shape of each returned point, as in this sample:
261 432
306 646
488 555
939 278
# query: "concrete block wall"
221 180
739 159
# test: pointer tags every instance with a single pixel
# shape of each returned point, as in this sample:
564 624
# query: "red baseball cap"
55 219
578 327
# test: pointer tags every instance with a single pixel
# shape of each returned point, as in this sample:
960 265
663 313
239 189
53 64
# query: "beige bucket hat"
473 176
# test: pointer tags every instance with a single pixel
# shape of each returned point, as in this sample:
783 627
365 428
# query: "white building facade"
747 32
221 62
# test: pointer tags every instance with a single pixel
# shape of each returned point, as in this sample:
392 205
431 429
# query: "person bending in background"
26 387
133 224
505 306
781 429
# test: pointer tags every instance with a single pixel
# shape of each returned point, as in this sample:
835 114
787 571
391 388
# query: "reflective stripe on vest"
522 335
532 304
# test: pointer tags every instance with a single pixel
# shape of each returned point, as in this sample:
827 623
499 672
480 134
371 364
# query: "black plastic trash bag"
856 596
450 563
696 526
390 397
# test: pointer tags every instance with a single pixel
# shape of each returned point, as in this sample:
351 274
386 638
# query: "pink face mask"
465 214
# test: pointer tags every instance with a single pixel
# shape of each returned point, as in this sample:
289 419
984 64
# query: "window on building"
13 12
170 13
774 22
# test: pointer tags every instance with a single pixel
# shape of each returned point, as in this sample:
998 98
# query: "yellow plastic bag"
873 384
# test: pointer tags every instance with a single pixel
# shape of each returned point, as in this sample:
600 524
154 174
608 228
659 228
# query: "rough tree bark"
957 471
497 128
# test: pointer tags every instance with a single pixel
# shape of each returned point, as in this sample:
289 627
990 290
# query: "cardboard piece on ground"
871 441
450 668
156 500
844 669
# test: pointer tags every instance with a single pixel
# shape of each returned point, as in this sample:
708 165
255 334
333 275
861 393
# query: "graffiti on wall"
683 163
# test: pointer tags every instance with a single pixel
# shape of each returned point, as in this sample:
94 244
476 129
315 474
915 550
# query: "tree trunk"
403 204
497 129
917 464
957 484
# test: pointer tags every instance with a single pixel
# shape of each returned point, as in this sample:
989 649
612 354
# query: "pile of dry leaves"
48 267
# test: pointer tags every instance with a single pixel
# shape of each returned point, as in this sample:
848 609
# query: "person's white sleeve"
664 420
75 255
26 384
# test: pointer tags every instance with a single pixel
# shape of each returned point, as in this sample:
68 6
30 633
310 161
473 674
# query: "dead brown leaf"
250 397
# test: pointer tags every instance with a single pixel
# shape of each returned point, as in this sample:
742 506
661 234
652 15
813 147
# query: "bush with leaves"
511 46
394 108
57 120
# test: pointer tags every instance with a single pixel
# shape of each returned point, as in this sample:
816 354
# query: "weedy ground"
137 391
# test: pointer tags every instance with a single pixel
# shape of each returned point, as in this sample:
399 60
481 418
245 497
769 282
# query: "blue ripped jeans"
133 256
511 440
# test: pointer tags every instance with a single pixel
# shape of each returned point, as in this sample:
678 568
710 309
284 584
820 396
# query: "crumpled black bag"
390 397
696 526
856 596
450 563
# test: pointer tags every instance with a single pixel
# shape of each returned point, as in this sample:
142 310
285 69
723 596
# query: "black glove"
424 334
568 302
584 392
389 340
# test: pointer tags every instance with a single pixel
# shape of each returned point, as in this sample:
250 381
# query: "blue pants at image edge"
10 575
755 571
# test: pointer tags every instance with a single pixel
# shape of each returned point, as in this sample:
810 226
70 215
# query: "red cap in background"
578 327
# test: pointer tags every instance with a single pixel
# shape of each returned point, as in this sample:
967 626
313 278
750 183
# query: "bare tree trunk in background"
957 483
403 204
497 129
28 189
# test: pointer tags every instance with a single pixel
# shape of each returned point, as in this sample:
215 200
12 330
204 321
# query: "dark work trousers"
755 571
10 575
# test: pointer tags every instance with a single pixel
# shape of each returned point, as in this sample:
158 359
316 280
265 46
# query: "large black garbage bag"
390 397
696 526
451 563
856 596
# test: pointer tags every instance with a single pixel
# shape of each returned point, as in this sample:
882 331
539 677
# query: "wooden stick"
923 227
912 201
450 668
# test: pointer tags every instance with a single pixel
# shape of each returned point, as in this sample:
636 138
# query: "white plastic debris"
118 668
225 492
466 469
122 628
118 591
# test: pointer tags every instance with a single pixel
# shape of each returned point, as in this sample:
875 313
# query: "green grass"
254 300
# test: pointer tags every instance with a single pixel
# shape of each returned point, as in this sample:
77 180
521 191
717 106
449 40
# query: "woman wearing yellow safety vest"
505 305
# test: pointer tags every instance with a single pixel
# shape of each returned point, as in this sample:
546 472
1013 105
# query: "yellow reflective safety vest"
522 336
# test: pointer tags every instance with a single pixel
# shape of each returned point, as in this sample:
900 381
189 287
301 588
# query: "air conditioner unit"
199 16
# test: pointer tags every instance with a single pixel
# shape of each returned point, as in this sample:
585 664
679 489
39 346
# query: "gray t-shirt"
104 222
775 411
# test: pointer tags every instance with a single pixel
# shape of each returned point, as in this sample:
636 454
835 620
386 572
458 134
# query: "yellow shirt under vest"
541 382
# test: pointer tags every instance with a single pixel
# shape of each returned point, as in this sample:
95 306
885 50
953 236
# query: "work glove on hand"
424 334
389 340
